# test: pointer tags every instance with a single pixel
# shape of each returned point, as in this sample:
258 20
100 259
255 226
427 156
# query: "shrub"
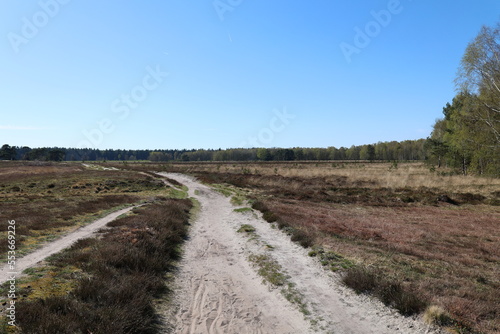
301 237
260 206
360 279
269 216
391 293
282 224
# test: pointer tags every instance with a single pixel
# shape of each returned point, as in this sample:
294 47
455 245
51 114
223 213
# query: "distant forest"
409 150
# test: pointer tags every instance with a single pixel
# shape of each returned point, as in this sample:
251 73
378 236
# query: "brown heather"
118 276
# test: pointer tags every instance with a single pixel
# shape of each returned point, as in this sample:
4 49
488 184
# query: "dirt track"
58 245
218 290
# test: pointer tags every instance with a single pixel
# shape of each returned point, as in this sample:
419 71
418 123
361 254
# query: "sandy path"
57 245
218 291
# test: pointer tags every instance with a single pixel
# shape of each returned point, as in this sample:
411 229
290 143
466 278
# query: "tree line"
409 150
8 152
406 150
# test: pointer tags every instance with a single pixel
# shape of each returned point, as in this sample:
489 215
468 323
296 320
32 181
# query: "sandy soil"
58 245
219 291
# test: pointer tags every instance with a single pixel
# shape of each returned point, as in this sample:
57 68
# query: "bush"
301 237
360 280
364 280
260 206
392 294
269 216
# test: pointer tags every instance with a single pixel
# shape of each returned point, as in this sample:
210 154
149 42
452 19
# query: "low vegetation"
331 260
246 228
108 284
391 293
274 274
101 285
433 236
56 198
242 210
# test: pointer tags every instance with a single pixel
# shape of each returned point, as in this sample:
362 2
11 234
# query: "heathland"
422 241
104 284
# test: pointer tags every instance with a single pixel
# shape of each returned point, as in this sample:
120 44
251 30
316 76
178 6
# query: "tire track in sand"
218 291
31 259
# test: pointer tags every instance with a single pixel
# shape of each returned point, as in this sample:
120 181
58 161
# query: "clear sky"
229 73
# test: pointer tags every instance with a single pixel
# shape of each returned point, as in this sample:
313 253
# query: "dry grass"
372 175
447 255
436 315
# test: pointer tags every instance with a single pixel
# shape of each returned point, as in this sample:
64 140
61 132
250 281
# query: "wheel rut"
217 289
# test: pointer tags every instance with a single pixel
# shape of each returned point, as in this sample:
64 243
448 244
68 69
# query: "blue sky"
229 73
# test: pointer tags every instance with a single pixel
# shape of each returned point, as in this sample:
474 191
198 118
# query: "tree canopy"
468 137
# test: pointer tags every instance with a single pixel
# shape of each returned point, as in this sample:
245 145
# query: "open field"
370 175
366 174
97 283
426 237
50 199
422 242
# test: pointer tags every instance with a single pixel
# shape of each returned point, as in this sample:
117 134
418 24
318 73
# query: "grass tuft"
243 210
436 315
246 228
269 269
272 272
